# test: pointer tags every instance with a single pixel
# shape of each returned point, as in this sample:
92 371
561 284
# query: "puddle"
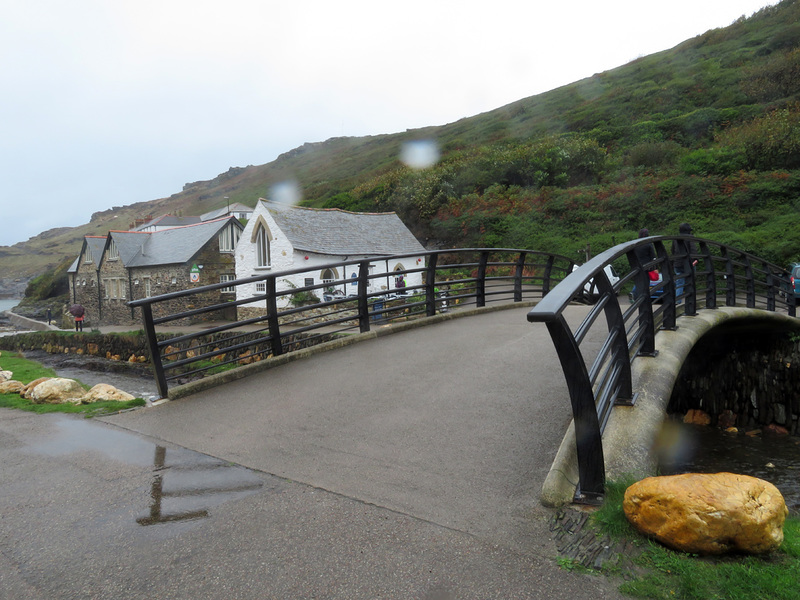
185 485
772 458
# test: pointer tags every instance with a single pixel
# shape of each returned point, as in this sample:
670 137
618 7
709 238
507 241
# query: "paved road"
403 467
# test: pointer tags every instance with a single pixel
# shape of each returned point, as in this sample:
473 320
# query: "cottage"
129 265
280 238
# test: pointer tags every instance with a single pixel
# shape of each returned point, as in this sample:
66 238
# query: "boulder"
6 375
104 391
708 513
57 391
697 417
28 389
11 386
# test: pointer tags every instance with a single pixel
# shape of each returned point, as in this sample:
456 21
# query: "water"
184 485
8 303
698 449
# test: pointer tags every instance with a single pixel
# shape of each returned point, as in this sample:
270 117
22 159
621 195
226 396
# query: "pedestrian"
79 312
683 252
49 316
79 322
646 254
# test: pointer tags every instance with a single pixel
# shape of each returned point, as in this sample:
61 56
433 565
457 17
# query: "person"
646 254
682 251
49 316
79 322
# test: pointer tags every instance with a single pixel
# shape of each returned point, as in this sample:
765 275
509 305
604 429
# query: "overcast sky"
110 102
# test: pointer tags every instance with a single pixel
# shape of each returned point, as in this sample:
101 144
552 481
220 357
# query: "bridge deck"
456 423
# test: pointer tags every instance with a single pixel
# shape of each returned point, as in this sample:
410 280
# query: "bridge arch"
631 431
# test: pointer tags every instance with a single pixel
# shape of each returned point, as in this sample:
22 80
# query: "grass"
27 370
668 574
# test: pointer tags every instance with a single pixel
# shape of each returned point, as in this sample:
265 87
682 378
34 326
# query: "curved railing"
701 274
280 318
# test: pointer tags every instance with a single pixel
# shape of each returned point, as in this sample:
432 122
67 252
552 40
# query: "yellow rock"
57 391
708 513
11 386
104 391
25 392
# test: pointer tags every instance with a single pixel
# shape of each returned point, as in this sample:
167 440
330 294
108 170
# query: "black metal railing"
688 274
281 317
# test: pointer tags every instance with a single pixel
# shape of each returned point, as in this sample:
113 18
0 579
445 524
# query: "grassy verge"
668 574
27 370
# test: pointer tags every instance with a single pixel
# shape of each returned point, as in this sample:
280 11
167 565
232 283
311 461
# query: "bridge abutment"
629 437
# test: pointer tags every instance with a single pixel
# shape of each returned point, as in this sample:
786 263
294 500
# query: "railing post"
711 276
518 277
615 322
363 305
430 285
668 285
548 273
591 465
480 292
272 317
751 284
646 321
770 286
155 352
730 279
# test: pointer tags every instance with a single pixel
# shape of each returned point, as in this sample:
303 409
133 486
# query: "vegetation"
706 132
27 370
668 574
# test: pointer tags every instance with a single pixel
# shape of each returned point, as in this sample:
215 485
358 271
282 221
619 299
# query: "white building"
281 238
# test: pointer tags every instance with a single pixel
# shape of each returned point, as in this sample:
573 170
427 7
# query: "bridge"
480 399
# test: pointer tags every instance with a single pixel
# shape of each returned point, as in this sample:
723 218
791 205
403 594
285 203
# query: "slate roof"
339 232
236 207
95 245
168 221
168 246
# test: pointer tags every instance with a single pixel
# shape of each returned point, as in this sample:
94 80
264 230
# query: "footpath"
404 467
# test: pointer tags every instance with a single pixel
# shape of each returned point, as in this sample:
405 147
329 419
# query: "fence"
281 318
694 274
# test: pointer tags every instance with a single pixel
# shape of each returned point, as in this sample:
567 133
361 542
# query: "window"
228 238
88 258
113 251
114 288
308 281
261 287
328 276
263 258
224 278
146 281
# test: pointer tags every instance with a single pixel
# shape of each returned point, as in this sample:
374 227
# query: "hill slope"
633 134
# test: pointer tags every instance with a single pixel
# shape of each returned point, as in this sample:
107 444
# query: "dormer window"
113 252
228 238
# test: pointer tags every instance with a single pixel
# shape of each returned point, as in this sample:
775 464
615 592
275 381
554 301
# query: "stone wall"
753 374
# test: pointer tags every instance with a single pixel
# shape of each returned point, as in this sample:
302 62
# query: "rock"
104 391
11 386
28 389
775 429
727 419
708 513
6 375
697 417
57 391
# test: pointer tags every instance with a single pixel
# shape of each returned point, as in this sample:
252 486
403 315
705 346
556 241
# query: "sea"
8 303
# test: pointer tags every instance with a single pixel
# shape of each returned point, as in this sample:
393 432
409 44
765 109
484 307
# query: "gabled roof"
169 246
336 231
168 221
94 245
236 207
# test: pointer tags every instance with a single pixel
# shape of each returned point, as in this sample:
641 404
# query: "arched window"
328 276
263 258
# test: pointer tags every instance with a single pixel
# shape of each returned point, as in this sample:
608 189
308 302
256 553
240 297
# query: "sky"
109 102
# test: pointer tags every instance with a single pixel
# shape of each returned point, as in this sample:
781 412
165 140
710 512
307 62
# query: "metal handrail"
690 282
464 276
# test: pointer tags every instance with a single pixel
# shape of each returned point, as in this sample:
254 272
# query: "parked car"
794 272
589 294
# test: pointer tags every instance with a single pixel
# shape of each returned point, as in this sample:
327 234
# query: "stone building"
281 238
130 265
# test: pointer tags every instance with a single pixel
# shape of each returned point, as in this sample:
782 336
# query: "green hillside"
707 132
